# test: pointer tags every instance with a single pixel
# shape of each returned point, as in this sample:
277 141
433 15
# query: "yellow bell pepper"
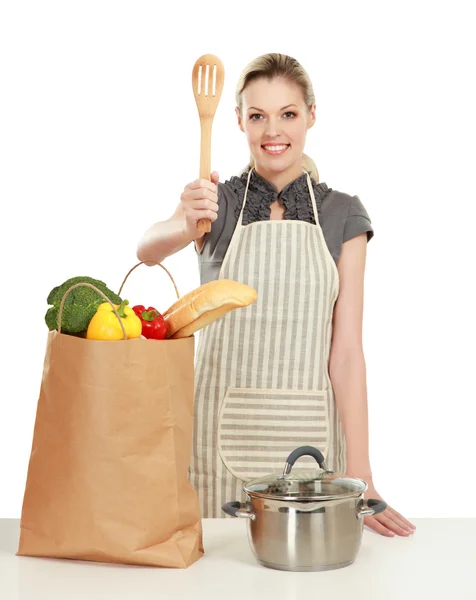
105 324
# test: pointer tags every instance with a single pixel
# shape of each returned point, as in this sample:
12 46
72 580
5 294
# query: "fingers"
402 528
207 214
195 215
204 184
388 523
394 524
205 205
199 194
372 523
404 522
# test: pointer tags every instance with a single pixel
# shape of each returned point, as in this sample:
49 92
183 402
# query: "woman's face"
275 120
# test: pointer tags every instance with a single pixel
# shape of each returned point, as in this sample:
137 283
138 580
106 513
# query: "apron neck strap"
240 218
313 198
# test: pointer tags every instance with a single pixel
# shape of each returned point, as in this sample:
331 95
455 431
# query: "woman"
288 370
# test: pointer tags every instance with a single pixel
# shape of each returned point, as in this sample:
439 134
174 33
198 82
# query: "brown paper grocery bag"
108 472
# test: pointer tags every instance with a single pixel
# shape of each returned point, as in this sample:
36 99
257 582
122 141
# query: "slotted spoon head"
208 77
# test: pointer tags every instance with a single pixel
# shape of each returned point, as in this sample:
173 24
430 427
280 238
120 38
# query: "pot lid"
305 484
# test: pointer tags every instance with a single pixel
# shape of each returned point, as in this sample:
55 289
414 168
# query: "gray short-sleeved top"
341 216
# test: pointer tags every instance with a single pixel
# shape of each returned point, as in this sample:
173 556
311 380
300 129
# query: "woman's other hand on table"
389 522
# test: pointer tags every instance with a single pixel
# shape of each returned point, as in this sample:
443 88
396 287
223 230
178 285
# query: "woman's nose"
272 128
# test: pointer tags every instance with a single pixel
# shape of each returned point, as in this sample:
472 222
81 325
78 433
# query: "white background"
100 133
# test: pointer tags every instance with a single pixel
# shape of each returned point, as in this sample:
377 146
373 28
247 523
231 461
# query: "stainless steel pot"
311 520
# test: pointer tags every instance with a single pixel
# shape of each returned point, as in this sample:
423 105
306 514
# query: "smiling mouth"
275 149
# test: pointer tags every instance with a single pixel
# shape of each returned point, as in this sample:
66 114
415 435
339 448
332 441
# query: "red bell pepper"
154 326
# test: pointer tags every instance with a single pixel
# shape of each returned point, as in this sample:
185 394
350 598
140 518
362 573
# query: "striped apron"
262 386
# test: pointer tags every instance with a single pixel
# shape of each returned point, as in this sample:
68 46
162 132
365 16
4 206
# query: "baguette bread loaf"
206 304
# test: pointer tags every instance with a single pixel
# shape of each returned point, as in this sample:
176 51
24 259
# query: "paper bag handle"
155 263
60 312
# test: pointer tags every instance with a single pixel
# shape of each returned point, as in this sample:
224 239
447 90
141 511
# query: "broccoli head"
80 305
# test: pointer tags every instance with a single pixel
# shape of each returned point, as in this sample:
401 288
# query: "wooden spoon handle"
204 225
205 148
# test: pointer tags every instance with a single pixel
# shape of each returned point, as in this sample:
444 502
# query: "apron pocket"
259 428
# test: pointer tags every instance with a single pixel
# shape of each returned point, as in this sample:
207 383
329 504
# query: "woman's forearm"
348 377
163 239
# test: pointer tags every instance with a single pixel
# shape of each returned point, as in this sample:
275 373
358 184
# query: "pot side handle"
371 507
236 509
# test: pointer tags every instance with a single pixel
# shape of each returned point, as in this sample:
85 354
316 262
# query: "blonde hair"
273 65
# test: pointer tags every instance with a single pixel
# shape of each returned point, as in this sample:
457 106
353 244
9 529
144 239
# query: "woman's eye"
257 117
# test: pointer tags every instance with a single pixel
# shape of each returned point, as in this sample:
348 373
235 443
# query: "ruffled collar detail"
295 198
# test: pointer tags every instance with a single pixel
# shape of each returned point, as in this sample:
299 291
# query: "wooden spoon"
208 76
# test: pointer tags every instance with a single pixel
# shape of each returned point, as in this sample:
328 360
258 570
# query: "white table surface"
438 561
